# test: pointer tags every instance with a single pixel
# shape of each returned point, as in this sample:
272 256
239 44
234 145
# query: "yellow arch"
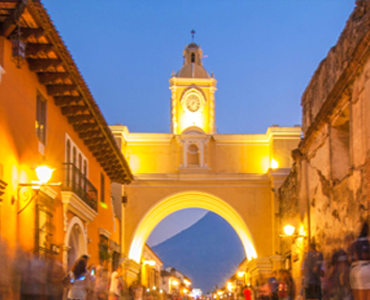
190 200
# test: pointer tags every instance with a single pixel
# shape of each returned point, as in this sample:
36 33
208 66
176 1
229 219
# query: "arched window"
193 57
74 156
80 170
74 177
193 155
68 160
68 151
85 174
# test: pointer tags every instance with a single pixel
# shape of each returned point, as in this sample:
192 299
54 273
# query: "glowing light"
150 262
301 231
154 287
219 293
215 296
241 274
148 290
44 173
175 282
274 164
289 229
185 200
187 282
185 291
161 291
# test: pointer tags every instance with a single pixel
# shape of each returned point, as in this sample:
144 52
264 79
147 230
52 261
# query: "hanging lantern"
18 49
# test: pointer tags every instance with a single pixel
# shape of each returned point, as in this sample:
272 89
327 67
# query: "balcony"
75 181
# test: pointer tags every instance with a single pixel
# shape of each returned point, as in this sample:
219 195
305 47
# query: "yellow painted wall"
237 172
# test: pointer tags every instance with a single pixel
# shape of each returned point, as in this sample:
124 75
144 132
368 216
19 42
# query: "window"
340 145
193 155
193 57
102 184
41 118
68 150
85 174
74 156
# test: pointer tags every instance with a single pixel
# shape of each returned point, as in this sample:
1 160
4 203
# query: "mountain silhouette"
208 252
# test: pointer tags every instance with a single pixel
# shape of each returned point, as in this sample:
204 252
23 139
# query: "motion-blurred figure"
360 269
116 284
312 271
79 280
5 272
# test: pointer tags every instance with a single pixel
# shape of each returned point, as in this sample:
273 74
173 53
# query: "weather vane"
192 35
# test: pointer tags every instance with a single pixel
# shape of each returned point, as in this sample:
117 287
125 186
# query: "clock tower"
192 99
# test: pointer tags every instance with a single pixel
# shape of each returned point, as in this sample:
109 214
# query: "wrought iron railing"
75 181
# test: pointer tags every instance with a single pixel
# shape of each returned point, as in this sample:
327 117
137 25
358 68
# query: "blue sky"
263 54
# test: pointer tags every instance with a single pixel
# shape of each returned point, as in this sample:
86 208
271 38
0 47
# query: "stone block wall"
327 195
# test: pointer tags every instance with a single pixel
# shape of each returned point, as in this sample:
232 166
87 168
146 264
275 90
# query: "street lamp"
289 231
43 173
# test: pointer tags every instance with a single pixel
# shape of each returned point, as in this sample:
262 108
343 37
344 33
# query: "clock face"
192 103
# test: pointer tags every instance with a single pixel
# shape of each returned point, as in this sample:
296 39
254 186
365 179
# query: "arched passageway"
190 200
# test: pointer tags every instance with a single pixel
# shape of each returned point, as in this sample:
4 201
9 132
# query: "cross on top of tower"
192 35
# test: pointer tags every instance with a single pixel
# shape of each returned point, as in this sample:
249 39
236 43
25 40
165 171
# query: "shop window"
104 254
40 123
193 155
340 145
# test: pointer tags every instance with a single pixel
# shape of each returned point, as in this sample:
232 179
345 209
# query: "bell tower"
192 99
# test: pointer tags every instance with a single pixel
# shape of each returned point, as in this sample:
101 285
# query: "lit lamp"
43 173
240 274
150 262
274 164
175 282
187 282
289 231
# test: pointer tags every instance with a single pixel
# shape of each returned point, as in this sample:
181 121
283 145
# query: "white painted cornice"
49 191
104 232
76 205
205 176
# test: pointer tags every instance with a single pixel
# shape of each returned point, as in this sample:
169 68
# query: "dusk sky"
263 54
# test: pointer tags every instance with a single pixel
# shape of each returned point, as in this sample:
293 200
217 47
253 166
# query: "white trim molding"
71 202
104 232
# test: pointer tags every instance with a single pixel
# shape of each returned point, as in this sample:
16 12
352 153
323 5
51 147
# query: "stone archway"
76 242
191 199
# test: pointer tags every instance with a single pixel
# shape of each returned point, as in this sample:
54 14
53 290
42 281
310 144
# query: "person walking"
360 269
247 293
78 280
115 284
312 270
290 285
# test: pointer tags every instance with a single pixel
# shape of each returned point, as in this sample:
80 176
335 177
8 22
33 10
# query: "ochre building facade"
48 116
